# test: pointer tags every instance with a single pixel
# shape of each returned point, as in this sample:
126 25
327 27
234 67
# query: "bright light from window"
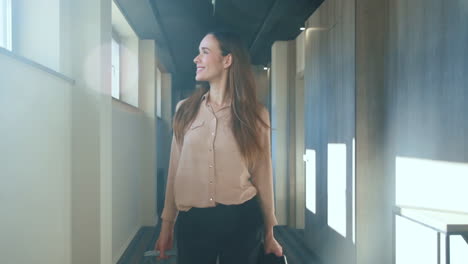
158 93
337 187
431 184
353 172
5 24
415 243
458 250
115 69
311 180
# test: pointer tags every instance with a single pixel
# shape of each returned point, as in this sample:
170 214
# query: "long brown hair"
241 88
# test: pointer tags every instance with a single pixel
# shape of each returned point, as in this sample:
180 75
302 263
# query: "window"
125 61
311 179
5 24
158 93
438 189
337 187
115 69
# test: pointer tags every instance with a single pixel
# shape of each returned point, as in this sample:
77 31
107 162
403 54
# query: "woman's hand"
272 246
165 240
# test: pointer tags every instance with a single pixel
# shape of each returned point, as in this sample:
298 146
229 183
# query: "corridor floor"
291 239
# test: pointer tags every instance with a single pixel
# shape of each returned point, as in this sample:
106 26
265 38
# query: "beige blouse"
208 168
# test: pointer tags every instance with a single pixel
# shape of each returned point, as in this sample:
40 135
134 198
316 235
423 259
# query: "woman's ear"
227 61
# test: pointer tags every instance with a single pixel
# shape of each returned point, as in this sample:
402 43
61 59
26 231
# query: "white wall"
77 174
126 178
166 98
58 173
147 161
91 132
134 157
164 146
34 165
148 80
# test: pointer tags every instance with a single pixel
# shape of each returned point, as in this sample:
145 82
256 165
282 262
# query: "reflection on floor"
294 246
291 239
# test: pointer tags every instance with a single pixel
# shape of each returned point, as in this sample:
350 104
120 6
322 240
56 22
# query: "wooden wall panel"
373 187
428 78
329 118
411 83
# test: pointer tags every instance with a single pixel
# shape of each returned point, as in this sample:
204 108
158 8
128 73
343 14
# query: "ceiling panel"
180 24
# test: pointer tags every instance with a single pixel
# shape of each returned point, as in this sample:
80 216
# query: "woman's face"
210 62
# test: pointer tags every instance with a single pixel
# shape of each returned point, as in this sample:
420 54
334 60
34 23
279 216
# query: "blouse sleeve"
262 175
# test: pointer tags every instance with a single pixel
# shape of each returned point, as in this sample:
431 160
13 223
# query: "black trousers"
231 232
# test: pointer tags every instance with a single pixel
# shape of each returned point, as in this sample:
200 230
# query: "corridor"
367 101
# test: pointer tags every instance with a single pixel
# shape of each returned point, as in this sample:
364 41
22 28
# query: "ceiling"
179 25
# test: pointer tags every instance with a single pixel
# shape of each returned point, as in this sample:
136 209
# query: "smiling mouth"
199 69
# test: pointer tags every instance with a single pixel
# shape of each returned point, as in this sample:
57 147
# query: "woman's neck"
217 94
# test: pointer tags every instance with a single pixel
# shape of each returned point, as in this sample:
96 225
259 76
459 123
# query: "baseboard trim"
127 243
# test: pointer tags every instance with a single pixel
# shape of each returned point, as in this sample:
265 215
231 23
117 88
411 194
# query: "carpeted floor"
292 241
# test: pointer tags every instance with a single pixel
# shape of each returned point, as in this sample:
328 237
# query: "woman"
220 178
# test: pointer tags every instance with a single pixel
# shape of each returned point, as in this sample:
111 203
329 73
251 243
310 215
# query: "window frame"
115 40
